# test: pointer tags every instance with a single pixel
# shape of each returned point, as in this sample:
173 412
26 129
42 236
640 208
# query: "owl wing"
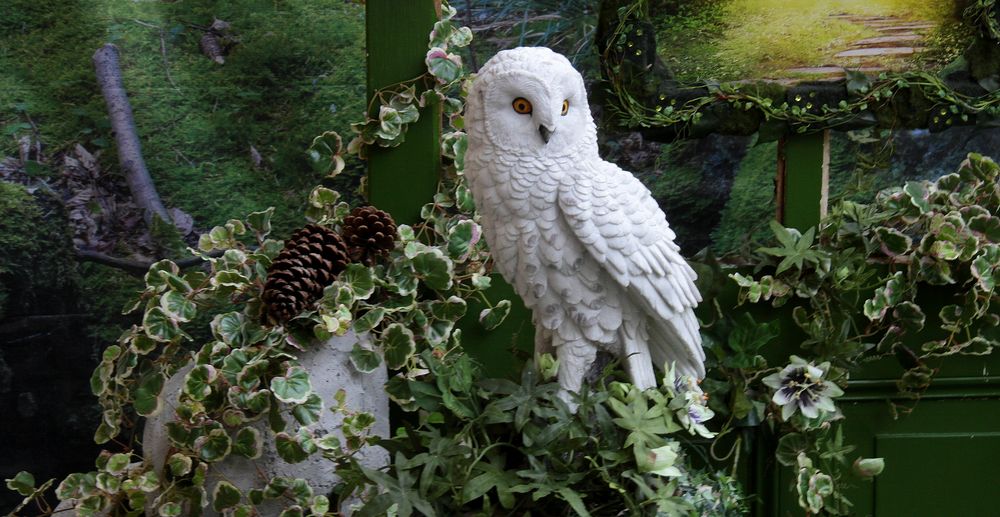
623 228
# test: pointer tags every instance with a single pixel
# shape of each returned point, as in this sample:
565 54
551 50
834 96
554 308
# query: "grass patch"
728 40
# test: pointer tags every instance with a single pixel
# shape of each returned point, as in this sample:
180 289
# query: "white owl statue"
582 241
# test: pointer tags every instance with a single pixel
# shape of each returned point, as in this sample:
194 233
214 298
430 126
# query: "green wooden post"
803 178
403 178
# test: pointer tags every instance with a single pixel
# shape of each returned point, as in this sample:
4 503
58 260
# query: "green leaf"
153 278
361 280
170 509
22 483
147 394
492 318
248 443
462 238
369 320
225 496
858 83
363 359
433 268
398 345
214 446
309 411
451 309
260 222
198 381
910 317
444 66
789 447
179 464
117 463
917 193
177 307
894 243
319 505
289 448
292 388
159 325
570 496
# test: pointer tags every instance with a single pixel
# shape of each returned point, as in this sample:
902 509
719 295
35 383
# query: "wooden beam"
402 179
802 184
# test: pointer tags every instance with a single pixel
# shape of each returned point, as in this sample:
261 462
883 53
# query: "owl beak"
546 132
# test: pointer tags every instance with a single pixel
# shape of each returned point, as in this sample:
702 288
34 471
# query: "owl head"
530 101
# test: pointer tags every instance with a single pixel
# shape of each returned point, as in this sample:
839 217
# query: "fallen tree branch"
140 183
135 267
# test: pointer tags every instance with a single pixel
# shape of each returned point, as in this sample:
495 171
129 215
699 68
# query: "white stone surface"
330 370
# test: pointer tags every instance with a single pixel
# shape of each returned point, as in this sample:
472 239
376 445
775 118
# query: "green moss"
678 189
37 268
751 203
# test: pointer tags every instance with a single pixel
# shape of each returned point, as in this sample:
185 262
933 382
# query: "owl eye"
522 105
565 108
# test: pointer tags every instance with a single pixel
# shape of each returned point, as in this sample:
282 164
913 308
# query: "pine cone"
312 259
370 233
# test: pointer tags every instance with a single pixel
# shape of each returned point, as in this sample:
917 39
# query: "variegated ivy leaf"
360 279
260 222
445 66
225 495
147 394
156 282
451 309
293 387
492 318
918 196
177 307
433 268
179 464
363 359
369 320
885 297
398 345
159 325
289 448
248 443
214 446
462 238
308 412
198 381
893 242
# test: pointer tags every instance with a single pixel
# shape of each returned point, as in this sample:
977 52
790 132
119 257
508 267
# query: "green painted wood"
806 164
502 351
403 178
940 460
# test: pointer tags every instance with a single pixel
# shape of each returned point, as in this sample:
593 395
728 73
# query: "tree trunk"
109 77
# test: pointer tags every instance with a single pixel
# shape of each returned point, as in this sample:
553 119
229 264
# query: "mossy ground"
298 70
727 40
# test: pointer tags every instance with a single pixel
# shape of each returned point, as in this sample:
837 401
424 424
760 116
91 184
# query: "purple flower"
800 387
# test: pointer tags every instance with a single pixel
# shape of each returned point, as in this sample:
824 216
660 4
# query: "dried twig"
135 267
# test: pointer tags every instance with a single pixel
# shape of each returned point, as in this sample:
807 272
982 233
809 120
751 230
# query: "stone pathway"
898 38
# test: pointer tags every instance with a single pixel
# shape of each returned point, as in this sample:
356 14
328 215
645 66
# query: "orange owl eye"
522 105
565 108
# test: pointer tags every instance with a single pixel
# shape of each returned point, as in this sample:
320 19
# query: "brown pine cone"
369 233
312 259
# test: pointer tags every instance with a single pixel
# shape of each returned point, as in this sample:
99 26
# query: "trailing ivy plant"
911 277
